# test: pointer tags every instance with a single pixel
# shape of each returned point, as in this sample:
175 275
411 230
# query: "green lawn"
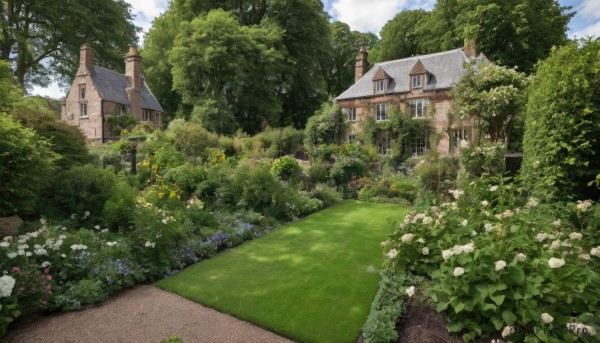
308 280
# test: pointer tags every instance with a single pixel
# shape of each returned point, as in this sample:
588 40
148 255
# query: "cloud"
145 11
590 9
591 30
364 15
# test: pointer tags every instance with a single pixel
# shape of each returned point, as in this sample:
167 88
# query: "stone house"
419 87
97 93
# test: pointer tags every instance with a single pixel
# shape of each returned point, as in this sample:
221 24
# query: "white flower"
473 233
489 227
150 244
46 264
509 330
111 244
23 246
384 243
555 244
446 254
63 255
546 318
493 188
584 205
11 254
595 251
427 220
556 262
78 247
406 238
575 235
556 223
485 203
540 237
585 257
97 227
465 222
29 253
500 265
7 283
410 291
456 193
425 251
532 202
392 253
520 257
458 271
4 244
41 251
421 240
21 252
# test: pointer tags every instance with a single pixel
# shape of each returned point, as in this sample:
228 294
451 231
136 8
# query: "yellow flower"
172 195
161 195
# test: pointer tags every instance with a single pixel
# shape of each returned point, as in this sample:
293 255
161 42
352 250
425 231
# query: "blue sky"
364 15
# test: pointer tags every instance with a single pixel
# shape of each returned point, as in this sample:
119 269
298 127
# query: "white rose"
520 257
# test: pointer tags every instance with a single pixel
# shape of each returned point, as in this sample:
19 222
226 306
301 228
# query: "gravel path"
141 314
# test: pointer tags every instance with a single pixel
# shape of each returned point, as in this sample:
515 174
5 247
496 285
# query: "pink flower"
46 270
16 269
49 277
49 287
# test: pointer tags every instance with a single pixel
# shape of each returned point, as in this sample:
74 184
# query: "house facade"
98 93
419 87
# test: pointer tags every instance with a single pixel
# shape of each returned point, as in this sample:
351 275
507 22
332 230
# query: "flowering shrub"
285 167
499 262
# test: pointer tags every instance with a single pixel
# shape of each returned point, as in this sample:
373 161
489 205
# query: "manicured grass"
309 280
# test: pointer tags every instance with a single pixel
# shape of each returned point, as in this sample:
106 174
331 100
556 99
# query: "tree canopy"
42 37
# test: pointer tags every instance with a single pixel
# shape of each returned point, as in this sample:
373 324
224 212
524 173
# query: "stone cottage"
419 87
97 93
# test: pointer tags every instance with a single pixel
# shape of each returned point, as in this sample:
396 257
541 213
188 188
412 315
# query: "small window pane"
416 81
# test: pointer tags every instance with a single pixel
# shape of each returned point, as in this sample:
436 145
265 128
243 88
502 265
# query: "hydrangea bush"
503 264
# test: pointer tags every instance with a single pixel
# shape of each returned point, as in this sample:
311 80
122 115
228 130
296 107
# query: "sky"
361 15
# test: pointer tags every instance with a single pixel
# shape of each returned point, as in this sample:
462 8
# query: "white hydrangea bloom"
425 251
7 283
392 253
46 264
410 291
555 244
556 262
595 251
421 240
489 227
465 222
485 203
575 235
509 330
427 220
540 237
149 244
4 244
493 188
446 254
500 265
458 271
556 223
532 202
520 257
546 318
406 238
584 205
11 254
585 257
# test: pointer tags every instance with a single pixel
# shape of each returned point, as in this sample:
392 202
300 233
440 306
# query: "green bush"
328 195
82 191
77 294
286 168
185 177
118 209
485 159
561 141
345 169
26 163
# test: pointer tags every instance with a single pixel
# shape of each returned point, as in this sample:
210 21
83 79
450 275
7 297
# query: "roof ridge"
419 56
110 70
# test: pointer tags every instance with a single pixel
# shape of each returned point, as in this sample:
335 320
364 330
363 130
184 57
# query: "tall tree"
337 64
399 38
43 37
215 58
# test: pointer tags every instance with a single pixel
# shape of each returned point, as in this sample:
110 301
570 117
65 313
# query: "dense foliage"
562 136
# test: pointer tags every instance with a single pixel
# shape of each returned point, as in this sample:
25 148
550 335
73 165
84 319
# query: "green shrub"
118 209
286 168
26 164
77 294
172 339
186 178
561 141
328 195
82 191
345 169
485 159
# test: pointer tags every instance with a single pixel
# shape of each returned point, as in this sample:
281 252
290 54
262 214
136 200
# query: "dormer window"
379 86
381 81
416 81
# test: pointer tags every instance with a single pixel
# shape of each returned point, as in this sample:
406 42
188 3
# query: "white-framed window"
83 111
351 138
384 146
147 115
416 81
418 108
418 144
352 114
156 119
381 112
81 92
459 135
379 86
120 110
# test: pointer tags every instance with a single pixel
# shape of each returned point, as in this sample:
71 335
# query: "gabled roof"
112 87
381 75
444 69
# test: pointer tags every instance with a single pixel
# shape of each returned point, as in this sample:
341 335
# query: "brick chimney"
470 48
133 72
362 64
86 60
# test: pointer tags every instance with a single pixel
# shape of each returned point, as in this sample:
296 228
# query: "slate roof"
112 85
444 69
